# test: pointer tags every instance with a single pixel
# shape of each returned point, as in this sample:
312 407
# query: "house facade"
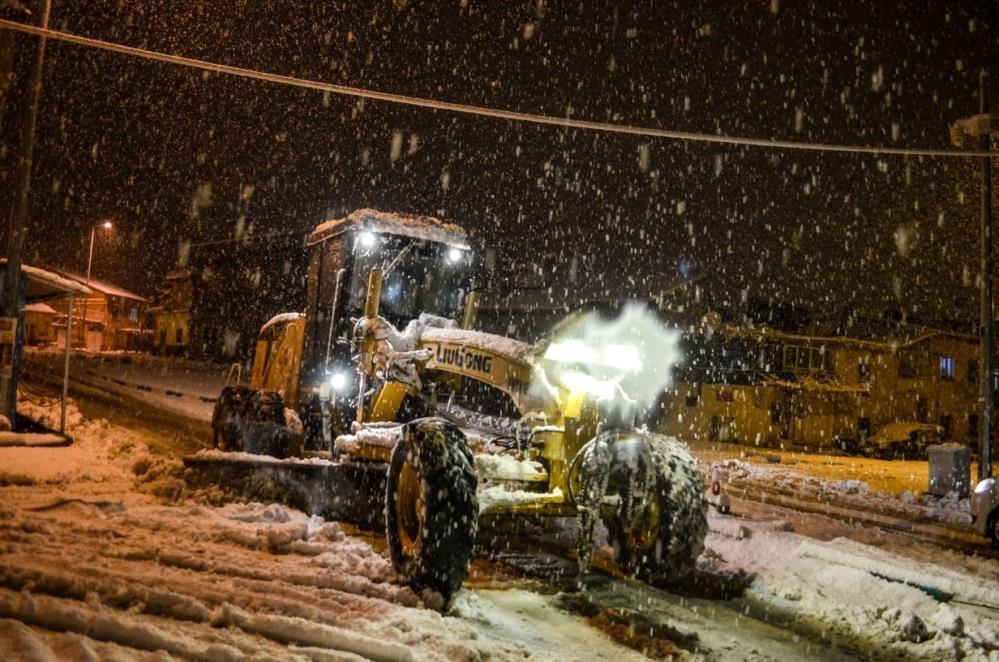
111 318
762 387
39 320
172 315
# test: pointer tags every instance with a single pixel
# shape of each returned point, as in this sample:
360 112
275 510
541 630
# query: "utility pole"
19 223
987 316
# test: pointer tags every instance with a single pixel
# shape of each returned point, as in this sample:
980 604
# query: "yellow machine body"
278 358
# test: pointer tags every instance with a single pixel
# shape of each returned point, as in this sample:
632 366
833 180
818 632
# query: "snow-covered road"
107 553
173 385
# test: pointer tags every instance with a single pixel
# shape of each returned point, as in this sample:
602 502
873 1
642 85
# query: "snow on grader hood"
463 425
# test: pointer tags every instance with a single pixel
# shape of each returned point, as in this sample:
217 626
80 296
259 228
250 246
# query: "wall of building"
721 412
172 332
38 329
932 381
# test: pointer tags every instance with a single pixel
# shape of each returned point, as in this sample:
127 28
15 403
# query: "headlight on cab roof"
985 486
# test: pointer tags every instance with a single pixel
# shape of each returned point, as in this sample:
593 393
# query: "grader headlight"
623 360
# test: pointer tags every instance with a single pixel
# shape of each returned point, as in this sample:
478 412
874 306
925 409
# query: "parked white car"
985 509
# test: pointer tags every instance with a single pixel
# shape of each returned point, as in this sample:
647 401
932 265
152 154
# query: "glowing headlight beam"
625 358
338 381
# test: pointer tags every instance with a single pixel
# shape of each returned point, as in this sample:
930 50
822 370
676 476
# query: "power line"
514 116
249 239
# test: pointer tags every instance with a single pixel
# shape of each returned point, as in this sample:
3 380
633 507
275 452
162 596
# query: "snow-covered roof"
41 308
104 287
426 228
45 284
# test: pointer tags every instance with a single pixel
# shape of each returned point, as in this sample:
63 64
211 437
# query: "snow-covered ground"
176 385
868 599
106 554
917 507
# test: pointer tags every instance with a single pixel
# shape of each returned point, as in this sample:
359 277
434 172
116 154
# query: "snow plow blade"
345 491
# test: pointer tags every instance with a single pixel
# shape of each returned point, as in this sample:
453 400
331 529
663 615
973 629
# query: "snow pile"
498 497
504 467
100 453
854 493
861 596
382 437
48 412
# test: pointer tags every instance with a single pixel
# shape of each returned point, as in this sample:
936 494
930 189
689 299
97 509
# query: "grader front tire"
431 506
669 532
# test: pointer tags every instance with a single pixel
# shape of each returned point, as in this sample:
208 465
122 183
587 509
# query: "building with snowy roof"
172 312
110 318
39 319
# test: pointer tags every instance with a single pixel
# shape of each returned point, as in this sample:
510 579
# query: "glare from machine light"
633 355
338 381
106 225
453 255
623 357
367 239
601 389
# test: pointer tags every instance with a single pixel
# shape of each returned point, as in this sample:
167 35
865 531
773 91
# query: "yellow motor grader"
463 423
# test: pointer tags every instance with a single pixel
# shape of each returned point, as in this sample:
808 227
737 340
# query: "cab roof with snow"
426 228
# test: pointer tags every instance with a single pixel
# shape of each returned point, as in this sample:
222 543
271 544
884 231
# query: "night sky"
177 156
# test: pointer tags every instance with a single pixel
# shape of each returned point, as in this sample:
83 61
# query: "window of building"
946 367
913 364
864 371
805 359
973 426
133 314
946 422
972 371
692 397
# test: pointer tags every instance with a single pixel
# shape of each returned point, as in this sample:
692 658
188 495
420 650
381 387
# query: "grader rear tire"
669 533
432 510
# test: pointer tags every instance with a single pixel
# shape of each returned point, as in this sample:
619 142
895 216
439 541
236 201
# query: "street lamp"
90 260
106 225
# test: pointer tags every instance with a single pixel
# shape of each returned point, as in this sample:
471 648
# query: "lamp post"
90 263
981 127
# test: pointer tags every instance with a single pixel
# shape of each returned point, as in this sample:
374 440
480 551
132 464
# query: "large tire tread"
450 522
684 524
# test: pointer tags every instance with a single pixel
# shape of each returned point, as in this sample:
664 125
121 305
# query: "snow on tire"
670 554
431 507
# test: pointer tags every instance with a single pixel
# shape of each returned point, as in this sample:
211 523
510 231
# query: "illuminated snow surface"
106 554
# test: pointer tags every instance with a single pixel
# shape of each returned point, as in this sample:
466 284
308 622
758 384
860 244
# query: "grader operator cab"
464 424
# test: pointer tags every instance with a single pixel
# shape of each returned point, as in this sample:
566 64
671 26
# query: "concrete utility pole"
11 292
981 127
18 225
987 316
